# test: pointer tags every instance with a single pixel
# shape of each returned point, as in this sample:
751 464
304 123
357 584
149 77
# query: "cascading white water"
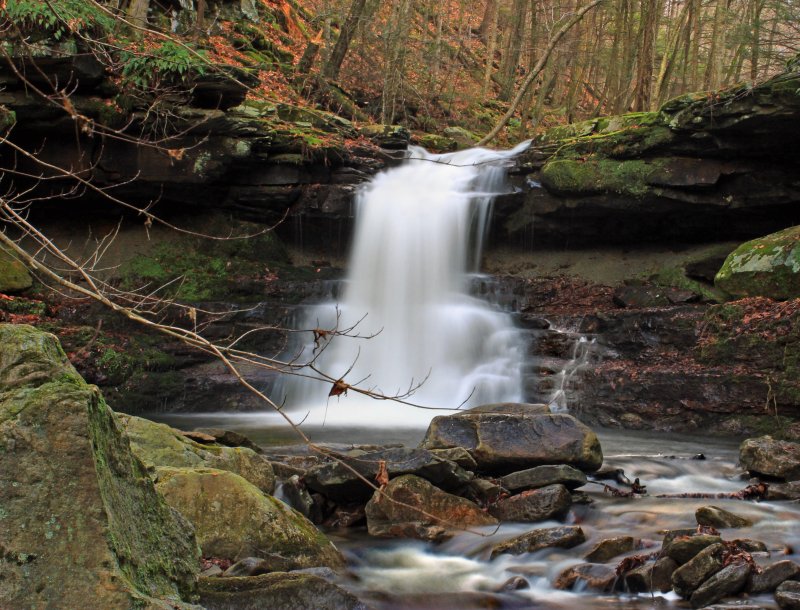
419 231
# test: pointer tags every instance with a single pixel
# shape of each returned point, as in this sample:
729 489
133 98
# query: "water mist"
418 234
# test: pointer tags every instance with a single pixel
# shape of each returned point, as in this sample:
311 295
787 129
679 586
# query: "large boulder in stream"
410 507
768 266
766 456
504 438
234 519
81 524
159 445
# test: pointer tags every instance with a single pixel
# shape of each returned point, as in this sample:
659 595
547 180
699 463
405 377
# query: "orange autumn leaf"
339 388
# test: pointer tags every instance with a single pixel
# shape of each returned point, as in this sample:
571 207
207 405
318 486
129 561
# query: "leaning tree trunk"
536 69
335 61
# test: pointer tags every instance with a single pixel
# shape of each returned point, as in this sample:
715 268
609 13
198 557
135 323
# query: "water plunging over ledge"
419 232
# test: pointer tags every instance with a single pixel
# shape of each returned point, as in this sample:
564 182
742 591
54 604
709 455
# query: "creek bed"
395 574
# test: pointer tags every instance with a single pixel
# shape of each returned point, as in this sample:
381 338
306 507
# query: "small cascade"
419 233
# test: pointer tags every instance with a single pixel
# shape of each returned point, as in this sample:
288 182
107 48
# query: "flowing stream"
418 236
419 233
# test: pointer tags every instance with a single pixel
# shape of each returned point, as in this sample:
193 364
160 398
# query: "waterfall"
419 233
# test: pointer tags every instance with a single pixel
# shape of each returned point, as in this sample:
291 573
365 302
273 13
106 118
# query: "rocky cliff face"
705 167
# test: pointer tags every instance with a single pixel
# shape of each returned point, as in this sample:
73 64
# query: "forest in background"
427 64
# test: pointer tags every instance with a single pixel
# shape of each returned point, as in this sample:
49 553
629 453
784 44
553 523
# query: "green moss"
767 266
675 277
596 176
14 277
200 270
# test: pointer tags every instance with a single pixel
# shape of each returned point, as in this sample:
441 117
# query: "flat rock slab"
410 507
342 485
542 476
773 576
551 502
688 578
510 440
564 537
788 595
730 580
276 591
610 547
766 456
719 517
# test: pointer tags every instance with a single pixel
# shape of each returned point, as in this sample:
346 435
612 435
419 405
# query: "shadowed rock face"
80 517
505 442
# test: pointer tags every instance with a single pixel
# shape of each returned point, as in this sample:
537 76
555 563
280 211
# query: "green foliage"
145 65
58 20
202 270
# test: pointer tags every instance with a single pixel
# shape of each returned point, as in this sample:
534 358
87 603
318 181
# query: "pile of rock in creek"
126 512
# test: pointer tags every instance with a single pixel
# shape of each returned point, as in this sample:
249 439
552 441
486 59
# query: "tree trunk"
529 79
491 47
137 12
334 63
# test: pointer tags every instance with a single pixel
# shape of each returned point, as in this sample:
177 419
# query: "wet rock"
768 266
769 457
773 575
160 445
719 517
80 520
788 595
506 439
561 537
730 580
347 516
541 476
459 455
249 566
342 485
684 548
651 577
551 502
784 491
687 578
234 519
296 495
515 583
609 548
484 491
445 511
751 546
229 438
278 590
595 576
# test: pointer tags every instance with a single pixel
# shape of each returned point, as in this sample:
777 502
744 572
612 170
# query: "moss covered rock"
768 266
80 520
14 277
159 445
234 519
276 591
